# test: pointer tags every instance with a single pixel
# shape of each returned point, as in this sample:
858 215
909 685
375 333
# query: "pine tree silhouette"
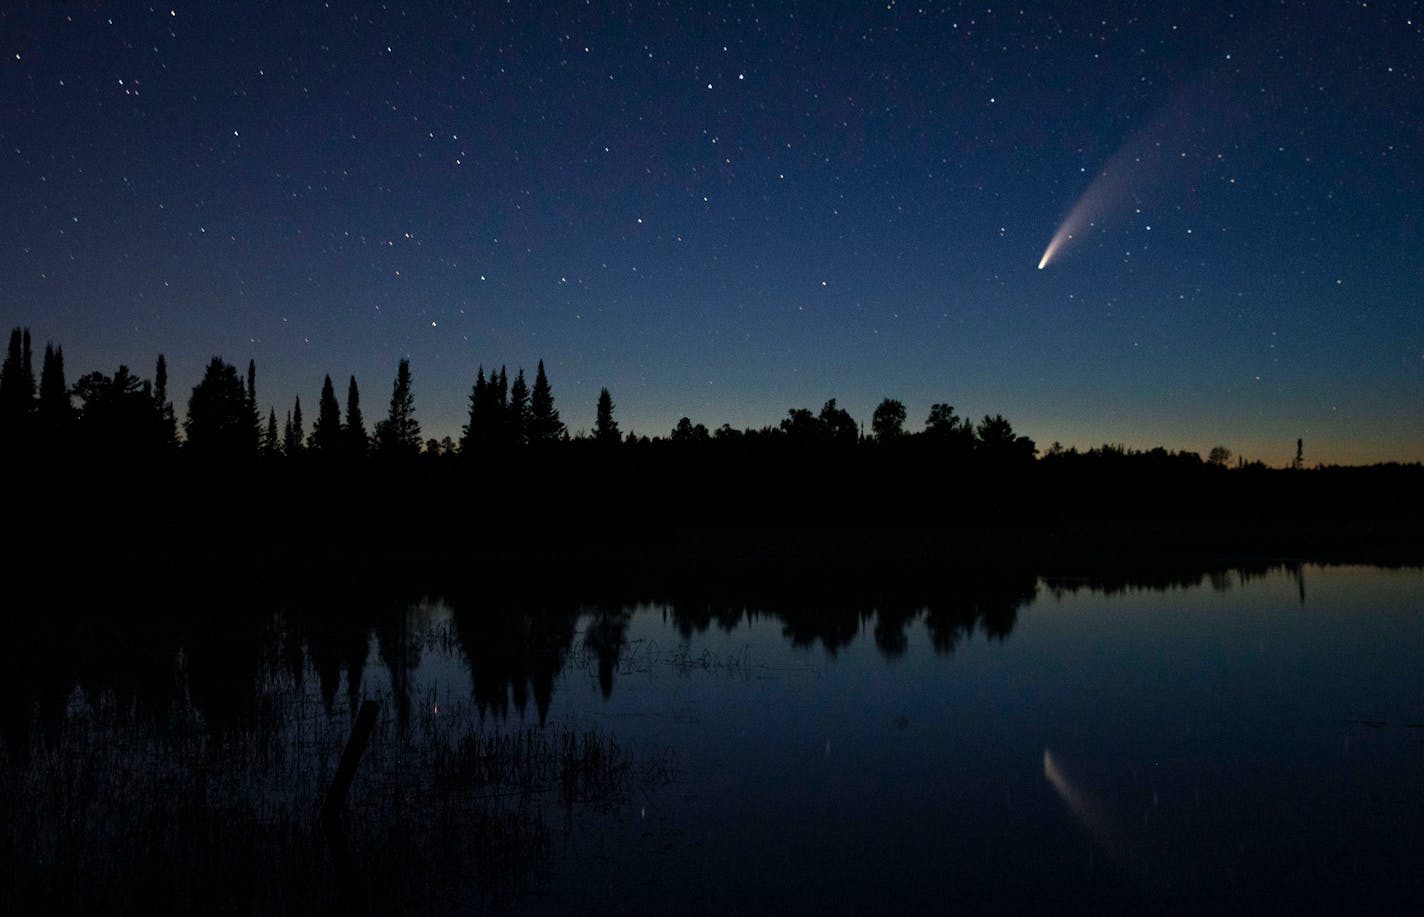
271 445
544 424
27 371
499 401
17 390
605 428
326 432
473 435
219 423
399 433
252 410
355 431
518 415
294 437
53 412
165 422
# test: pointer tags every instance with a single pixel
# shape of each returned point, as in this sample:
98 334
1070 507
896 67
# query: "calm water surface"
1244 741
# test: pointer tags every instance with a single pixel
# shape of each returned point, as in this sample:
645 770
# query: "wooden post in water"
335 801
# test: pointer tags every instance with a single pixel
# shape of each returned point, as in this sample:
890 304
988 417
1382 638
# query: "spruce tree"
355 432
53 411
10 397
399 433
294 432
518 414
17 387
500 431
544 423
27 372
252 410
605 428
472 435
326 432
54 392
271 445
166 421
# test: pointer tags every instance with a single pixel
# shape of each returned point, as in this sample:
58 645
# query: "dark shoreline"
632 522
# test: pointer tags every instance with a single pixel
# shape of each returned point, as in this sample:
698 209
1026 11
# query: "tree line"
122 414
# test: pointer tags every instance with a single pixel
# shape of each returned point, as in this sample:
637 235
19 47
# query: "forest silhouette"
109 451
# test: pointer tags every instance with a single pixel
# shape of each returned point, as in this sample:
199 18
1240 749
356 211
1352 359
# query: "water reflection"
224 713
147 651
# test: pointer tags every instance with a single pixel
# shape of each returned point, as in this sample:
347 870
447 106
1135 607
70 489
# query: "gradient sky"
725 211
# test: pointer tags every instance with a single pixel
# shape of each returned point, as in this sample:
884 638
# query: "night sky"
725 211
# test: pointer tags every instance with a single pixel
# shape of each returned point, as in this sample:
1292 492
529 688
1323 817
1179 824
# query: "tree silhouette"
800 424
355 431
476 433
53 411
836 424
294 437
326 432
271 445
17 387
499 401
687 432
116 418
997 439
1219 455
252 408
518 417
833 424
219 423
948 431
165 419
605 428
544 423
399 433
888 421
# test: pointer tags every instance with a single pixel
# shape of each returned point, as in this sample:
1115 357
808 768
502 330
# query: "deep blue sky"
725 211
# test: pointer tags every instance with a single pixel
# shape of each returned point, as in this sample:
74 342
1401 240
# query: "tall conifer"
399 433
294 433
355 431
166 421
326 432
544 423
518 411
605 428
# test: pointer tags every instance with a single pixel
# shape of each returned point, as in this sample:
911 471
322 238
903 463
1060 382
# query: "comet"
1157 148
1109 189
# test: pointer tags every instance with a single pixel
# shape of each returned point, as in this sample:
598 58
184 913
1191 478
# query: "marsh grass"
124 811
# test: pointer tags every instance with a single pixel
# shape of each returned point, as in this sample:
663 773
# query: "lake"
1246 738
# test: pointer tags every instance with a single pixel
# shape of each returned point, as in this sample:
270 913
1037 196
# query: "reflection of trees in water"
833 613
138 654
606 633
1165 576
514 648
193 707
991 605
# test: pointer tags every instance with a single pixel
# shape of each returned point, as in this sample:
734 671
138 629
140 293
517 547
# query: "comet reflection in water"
1088 813
1131 851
